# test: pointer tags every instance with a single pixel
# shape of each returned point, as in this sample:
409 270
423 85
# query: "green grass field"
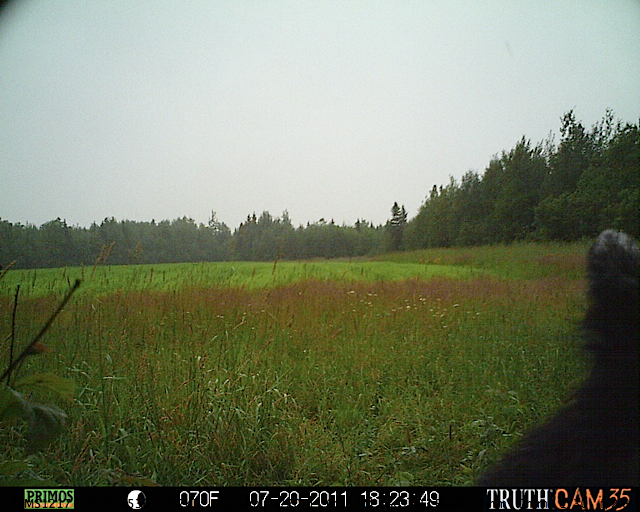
410 369
249 275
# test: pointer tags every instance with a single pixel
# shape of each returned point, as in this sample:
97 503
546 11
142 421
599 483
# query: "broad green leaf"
45 425
12 403
45 422
64 388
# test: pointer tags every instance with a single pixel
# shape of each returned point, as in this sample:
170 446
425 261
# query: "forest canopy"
571 190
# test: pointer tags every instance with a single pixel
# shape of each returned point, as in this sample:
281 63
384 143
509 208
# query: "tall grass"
305 373
521 260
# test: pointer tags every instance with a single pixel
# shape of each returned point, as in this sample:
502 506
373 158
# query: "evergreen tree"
395 227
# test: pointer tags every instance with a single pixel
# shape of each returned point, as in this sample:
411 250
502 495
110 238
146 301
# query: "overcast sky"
156 110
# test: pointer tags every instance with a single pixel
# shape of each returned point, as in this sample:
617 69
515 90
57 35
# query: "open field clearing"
417 369
104 280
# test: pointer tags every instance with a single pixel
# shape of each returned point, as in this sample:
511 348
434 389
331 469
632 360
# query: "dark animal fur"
593 441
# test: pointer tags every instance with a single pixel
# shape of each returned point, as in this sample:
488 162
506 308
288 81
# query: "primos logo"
48 498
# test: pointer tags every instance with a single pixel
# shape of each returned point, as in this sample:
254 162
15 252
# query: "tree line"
263 238
566 191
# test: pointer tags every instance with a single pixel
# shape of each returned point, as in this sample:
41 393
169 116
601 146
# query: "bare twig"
6 269
13 334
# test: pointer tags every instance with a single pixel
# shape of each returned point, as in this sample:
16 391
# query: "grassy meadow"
407 369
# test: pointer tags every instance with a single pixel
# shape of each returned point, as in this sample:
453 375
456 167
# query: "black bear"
593 440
